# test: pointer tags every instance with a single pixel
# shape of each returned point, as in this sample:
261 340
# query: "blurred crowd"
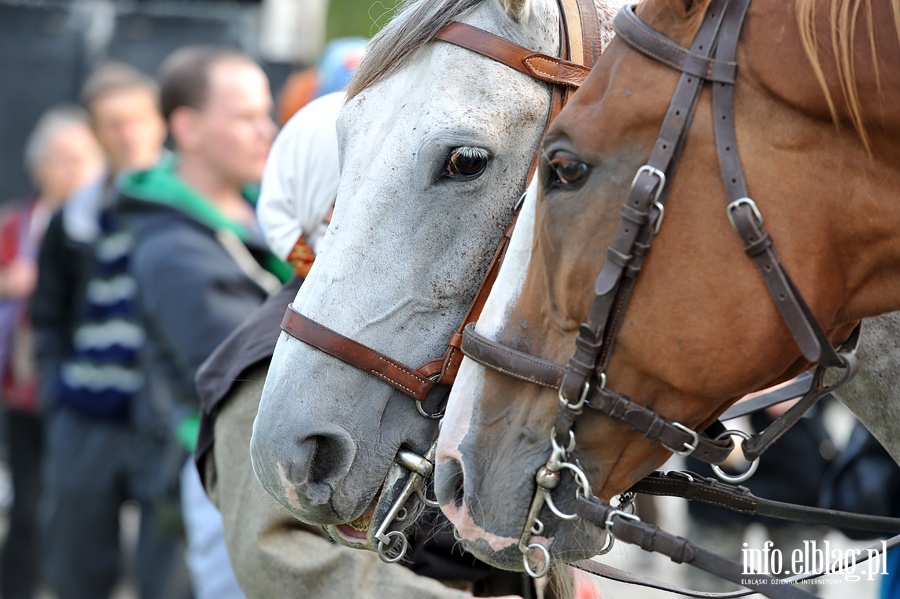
138 252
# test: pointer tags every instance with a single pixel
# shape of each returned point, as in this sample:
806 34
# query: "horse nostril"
449 483
329 459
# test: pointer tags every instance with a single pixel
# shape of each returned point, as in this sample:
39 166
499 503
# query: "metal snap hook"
724 476
557 450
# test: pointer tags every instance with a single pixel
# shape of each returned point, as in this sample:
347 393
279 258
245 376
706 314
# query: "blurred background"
48 47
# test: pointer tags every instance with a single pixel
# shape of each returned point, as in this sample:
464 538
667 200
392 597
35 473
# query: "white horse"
435 144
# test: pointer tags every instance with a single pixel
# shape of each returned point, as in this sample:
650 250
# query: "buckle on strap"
687 447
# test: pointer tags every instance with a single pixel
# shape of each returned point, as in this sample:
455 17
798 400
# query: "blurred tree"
358 17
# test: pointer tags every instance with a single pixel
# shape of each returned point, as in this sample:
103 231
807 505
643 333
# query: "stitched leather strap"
618 575
510 362
680 550
695 487
411 381
543 67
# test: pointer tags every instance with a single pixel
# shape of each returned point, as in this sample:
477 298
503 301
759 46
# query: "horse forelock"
843 16
414 26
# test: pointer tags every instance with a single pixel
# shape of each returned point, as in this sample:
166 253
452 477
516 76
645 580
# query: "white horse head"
435 144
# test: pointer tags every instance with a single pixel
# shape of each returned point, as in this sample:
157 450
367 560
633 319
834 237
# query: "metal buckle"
741 202
658 222
650 170
723 476
687 448
581 399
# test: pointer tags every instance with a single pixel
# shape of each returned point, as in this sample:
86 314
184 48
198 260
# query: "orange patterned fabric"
301 258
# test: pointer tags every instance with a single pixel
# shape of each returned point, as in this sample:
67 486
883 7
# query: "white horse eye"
466 163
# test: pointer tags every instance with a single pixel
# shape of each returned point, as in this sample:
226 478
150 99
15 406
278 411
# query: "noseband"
578 21
582 382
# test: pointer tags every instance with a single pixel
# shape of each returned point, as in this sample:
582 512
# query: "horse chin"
572 542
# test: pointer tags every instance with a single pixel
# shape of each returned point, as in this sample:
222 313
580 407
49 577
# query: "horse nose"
449 485
309 469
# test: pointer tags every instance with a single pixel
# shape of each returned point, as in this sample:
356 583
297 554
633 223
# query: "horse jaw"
399 265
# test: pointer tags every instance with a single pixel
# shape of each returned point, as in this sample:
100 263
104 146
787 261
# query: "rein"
582 382
578 21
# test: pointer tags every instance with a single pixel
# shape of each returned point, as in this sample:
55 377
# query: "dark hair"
184 75
112 77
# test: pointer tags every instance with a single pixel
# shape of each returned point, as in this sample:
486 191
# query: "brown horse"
818 133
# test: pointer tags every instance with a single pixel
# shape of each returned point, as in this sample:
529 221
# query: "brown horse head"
818 135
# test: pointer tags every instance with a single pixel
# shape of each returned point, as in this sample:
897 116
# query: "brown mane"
843 16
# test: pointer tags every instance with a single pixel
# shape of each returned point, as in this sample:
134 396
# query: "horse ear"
516 8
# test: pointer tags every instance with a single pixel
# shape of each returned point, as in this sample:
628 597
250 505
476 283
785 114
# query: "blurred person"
198 261
274 553
103 448
61 155
330 74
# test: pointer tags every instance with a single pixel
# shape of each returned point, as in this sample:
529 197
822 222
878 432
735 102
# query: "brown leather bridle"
582 382
578 21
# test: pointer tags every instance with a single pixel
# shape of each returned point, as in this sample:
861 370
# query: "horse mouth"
356 532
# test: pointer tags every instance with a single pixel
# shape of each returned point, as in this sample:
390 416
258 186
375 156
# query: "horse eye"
466 163
568 170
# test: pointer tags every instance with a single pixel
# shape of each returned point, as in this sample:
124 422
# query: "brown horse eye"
466 163
569 171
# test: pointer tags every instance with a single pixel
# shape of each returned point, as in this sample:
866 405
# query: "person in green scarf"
198 260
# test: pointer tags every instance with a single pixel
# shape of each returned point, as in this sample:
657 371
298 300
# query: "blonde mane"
843 16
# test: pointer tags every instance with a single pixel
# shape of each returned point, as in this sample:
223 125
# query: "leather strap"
414 383
694 487
510 362
543 67
528 368
618 575
653 44
680 550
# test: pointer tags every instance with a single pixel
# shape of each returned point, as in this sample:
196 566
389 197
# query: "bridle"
582 382
578 21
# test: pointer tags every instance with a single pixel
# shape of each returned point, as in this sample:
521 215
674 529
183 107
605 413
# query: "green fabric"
188 431
163 185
